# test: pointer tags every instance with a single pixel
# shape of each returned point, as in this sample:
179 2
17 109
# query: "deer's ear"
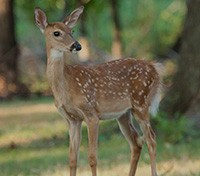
72 19
40 19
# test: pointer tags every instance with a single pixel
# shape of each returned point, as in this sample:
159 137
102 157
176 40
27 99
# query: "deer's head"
59 34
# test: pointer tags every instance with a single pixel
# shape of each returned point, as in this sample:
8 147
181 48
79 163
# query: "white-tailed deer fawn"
113 90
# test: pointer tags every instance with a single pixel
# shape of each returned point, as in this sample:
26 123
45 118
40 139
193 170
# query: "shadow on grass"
35 162
37 156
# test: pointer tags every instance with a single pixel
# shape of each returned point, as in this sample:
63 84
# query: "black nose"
76 46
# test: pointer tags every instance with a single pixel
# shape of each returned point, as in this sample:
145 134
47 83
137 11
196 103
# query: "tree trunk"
117 41
84 54
9 83
187 79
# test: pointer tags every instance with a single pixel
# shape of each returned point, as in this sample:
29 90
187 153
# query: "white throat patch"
55 54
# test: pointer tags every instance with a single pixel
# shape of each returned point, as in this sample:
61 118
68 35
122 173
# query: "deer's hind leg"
150 138
130 133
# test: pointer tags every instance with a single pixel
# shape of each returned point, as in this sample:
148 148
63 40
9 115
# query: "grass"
34 141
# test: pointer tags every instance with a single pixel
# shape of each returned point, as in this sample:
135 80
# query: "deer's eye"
56 33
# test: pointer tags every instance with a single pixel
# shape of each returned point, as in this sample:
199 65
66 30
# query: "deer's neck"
55 65
56 76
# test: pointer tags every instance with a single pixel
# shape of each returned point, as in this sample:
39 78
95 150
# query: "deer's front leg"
75 139
93 128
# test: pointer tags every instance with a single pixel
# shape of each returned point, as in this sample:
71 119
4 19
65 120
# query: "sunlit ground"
171 168
34 141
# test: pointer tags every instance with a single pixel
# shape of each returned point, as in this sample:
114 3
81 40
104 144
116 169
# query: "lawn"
34 141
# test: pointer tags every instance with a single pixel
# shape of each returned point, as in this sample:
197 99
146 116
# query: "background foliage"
149 29
145 24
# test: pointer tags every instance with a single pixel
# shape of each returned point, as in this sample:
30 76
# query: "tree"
9 83
117 38
186 81
84 55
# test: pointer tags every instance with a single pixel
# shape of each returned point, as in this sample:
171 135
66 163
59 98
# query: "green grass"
34 141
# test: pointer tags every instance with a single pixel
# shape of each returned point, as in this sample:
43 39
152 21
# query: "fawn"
114 90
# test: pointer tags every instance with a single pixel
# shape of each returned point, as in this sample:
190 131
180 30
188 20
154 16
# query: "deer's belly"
113 115
113 109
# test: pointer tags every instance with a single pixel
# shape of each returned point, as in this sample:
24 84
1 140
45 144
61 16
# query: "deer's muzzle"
75 46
